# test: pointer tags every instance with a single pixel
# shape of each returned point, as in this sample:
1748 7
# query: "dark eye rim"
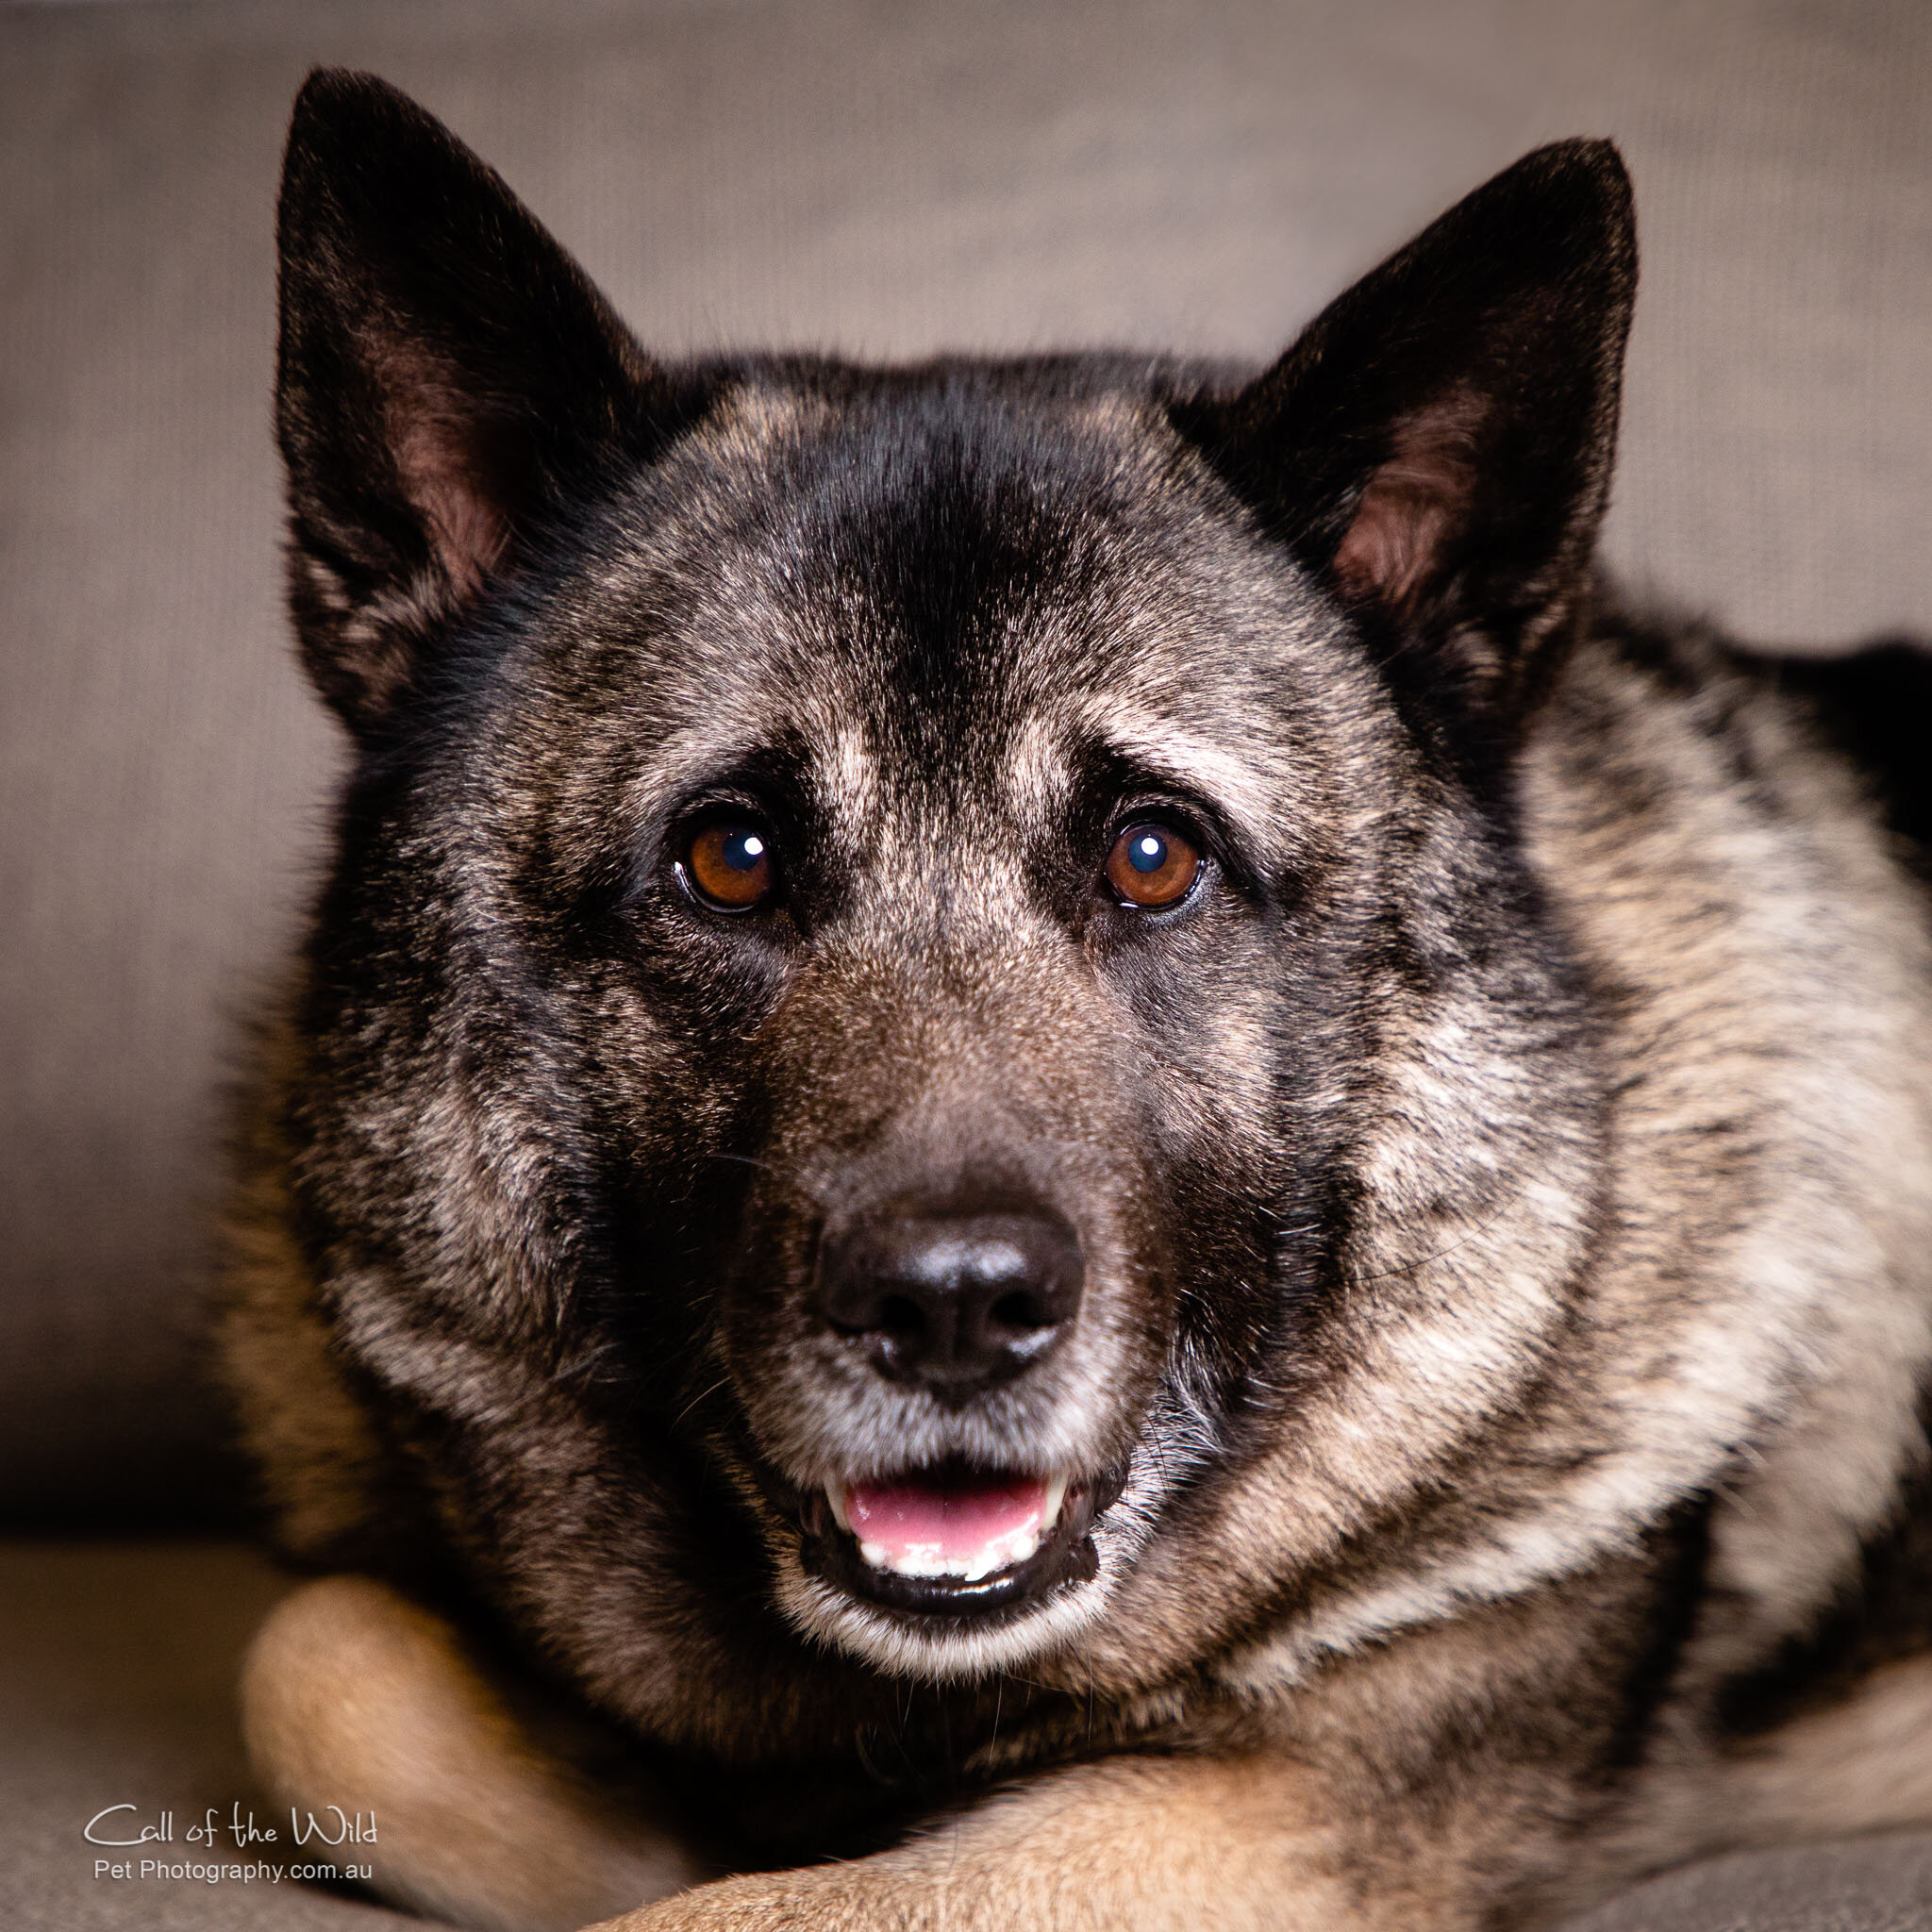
694 827
1164 817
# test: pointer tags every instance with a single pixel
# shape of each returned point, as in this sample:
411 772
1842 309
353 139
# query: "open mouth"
953 1541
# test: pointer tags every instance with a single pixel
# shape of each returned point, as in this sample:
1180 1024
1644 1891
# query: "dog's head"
924 962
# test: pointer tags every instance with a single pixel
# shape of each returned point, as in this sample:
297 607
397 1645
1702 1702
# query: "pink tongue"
965 1529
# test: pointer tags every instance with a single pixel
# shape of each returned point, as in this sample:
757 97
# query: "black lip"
1067 1557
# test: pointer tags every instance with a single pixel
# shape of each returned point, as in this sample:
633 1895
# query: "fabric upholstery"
119 1689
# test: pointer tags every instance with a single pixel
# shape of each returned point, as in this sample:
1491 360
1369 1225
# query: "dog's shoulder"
1725 839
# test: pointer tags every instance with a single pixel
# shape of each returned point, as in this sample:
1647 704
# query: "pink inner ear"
451 461
1411 506
450 482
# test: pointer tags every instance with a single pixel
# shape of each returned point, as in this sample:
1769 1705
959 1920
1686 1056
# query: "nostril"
901 1317
1020 1310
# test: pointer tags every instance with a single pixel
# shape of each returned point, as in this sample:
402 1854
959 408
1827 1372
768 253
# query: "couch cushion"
119 1691
1856 1885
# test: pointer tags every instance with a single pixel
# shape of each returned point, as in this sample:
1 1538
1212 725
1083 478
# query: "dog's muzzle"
954 1301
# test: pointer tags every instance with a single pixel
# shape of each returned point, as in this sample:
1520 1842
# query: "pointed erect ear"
1437 446
449 384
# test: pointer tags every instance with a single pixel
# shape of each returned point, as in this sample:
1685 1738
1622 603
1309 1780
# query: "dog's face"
919 960
955 978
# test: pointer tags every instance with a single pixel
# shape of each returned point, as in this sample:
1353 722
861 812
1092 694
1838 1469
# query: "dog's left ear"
1437 446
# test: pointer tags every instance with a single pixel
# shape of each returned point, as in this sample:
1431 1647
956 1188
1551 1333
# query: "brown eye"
731 865
1152 866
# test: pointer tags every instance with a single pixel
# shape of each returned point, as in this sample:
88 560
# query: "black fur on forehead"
970 535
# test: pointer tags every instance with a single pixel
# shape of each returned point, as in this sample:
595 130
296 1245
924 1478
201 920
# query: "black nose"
957 1302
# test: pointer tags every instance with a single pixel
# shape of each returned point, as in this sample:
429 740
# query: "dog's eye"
1152 866
729 865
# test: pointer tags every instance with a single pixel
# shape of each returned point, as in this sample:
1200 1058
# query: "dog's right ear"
449 384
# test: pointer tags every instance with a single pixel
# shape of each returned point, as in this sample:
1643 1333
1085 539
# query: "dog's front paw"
858 1897
353 1696
881 1894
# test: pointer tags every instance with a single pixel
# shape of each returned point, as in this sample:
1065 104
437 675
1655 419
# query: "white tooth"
835 1495
1050 1515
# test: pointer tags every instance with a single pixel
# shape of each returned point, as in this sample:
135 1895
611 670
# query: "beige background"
885 178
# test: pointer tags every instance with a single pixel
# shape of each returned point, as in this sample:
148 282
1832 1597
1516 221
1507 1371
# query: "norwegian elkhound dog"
1058 1145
